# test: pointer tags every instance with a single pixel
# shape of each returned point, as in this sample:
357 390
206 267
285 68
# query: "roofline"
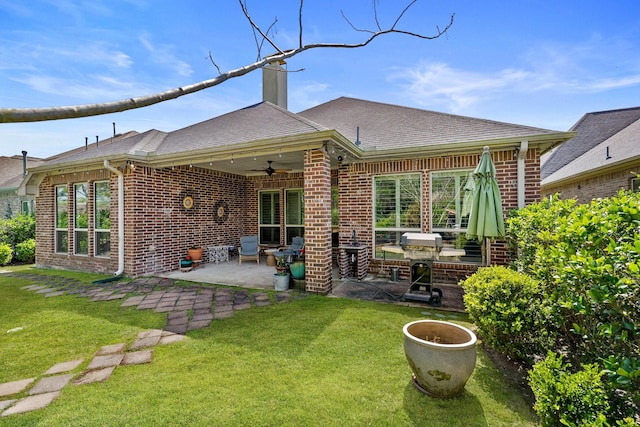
591 173
545 141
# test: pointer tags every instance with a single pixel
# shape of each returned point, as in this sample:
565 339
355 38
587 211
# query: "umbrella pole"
487 246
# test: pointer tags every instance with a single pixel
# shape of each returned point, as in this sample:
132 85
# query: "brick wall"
605 185
356 201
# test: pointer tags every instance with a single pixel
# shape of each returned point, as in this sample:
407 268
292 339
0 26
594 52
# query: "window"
635 184
397 207
81 220
62 219
451 199
269 221
102 226
26 207
294 214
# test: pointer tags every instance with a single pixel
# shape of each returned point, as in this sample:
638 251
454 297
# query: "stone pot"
195 254
297 269
442 356
281 282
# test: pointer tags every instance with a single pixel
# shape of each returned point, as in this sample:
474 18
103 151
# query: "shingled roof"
387 126
591 130
12 172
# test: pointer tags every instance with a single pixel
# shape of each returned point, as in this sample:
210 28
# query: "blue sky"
533 62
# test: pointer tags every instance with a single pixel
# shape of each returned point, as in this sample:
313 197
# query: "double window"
397 208
269 216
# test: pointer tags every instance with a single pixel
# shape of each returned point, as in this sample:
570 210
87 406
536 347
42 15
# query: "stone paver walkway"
28 395
188 308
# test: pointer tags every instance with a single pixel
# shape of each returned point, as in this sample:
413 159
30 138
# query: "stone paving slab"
15 387
49 384
150 333
132 301
177 329
116 296
198 324
94 376
138 357
59 368
197 316
54 294
111 349
171 338
105 361
31 403
6 403
45 290
144 342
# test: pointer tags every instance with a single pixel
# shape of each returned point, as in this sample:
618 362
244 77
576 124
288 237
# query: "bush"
26 251
587 258
6 254
16 229
507 308
564 398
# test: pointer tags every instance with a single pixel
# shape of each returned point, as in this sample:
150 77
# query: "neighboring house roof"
386 126
12 170
616 150
592 129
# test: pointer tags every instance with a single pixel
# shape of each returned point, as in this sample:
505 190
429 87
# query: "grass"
317 361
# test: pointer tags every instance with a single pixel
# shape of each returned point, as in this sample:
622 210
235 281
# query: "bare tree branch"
14 115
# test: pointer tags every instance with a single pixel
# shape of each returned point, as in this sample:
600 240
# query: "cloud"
163 54
306 95
439 83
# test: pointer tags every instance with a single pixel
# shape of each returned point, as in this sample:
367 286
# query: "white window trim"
95 213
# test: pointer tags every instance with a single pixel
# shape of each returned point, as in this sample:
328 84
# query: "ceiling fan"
269 170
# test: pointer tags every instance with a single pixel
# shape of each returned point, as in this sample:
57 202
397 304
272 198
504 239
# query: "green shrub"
507 308
6 254
26 251
17 229
564 398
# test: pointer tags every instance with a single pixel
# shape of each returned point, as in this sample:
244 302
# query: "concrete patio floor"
374 288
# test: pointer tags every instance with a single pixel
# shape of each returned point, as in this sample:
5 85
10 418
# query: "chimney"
24 163
274 83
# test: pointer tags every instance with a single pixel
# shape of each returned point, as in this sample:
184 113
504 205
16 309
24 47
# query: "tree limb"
14 115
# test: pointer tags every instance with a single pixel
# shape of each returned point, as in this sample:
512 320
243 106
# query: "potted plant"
186 264
282 276
297 267
195 253
442 356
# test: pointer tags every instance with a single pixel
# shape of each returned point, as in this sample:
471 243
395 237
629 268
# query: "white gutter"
120 217
522 155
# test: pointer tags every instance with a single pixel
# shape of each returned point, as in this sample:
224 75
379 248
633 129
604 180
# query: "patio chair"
297 244
249 248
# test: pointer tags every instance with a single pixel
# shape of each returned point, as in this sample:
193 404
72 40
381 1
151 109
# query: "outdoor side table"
218 254
271 259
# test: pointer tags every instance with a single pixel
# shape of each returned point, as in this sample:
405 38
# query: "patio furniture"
271 259
297 244
218 254
249 248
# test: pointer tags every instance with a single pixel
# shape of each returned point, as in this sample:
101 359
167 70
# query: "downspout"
522 155
120 217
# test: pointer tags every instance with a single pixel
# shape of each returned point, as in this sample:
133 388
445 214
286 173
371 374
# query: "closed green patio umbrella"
485 220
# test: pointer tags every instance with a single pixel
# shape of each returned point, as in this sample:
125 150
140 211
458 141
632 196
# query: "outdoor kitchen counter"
353 261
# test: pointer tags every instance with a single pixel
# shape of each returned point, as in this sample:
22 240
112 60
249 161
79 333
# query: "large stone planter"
442 356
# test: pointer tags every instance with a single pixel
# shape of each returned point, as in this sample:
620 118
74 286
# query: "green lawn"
316 361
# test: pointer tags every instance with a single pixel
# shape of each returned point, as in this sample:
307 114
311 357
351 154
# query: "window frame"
455 237
398 228
294 229
99 231
80 234
61 234
274 215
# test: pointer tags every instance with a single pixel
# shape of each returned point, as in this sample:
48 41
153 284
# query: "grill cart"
422 249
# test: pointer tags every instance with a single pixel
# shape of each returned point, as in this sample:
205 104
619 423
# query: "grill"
422 249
